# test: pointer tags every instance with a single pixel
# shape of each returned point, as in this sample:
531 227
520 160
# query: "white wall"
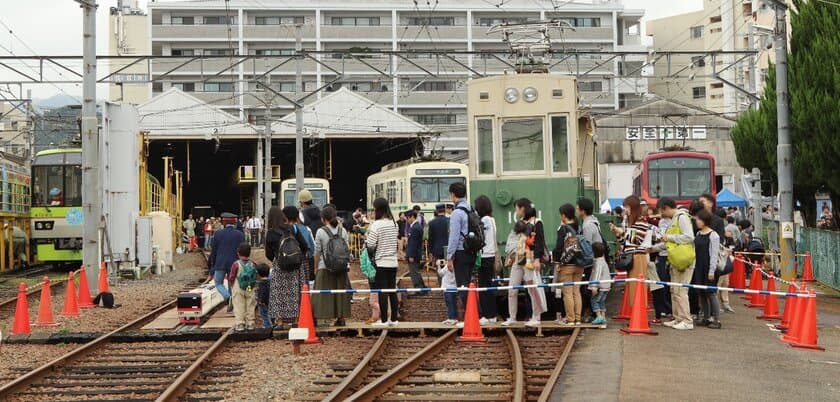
118 152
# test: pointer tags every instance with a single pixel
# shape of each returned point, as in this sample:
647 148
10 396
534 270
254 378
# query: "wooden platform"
220 319
436 325
167 320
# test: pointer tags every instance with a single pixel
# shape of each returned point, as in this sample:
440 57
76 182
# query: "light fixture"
511 95
530 94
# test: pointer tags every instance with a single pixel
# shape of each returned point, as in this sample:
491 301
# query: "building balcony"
600 34
421 98
412 33
348 33
435 64
193 32
276 32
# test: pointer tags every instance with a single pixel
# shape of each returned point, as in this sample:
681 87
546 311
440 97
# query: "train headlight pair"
529 94
44 225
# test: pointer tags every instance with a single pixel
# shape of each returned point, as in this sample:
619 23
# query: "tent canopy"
726 198
610 203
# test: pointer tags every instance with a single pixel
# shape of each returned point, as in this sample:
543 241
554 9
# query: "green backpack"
680 256
366 265
247 276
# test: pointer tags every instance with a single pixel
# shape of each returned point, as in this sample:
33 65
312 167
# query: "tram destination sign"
643 133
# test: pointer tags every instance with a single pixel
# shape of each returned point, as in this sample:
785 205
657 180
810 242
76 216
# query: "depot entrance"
211 169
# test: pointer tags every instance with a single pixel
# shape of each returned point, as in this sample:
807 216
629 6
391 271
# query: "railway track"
505 368
105 370
8 299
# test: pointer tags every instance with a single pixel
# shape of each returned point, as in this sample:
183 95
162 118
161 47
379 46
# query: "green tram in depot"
56 211
527 138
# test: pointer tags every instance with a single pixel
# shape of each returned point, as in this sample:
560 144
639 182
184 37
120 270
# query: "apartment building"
128 35
428 89
722 25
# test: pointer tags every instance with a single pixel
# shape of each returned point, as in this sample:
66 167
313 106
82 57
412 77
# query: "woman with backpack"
565 250
381 243
307 265
332 258
526 270
286 248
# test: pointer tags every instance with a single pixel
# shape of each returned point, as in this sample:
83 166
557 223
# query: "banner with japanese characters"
642 133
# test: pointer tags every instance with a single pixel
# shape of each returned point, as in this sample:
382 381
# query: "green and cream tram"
406 184
56 212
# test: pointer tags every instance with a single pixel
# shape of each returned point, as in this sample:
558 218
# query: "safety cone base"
45 324
87 306
628 331
816 348
754 305
471 339
769 317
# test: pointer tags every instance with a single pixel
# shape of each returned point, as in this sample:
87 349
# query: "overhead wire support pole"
298 111
267 172
91 196
784 149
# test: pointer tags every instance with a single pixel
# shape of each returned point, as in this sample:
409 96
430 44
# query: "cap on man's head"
305 196
440 207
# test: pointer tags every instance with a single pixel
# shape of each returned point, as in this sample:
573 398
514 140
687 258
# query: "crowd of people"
308 245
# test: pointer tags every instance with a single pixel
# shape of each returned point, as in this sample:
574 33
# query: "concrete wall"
129 35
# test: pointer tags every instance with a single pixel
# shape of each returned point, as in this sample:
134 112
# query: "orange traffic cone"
808 332
624 312
71 306
808 272
305 319
771 305
20 326
797 319
638 317
472 329
737 279
756 299
85 301
790 304
45 313
103 278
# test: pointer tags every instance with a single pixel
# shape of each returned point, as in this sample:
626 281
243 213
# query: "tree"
754 134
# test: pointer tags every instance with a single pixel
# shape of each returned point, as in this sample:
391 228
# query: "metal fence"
824 246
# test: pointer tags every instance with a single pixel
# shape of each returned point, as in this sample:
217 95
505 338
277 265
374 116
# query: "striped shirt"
382 235
637 238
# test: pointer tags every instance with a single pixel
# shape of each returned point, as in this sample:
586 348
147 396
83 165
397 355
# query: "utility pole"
784 154
267 192
91 197
298 112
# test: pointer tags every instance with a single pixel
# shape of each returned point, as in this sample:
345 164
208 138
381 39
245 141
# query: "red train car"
680 175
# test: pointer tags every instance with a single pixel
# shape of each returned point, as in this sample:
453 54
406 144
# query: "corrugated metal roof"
178 115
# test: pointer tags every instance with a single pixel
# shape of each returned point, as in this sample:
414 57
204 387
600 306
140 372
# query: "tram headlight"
511 95
530 94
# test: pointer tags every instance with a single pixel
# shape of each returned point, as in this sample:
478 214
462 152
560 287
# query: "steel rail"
31 291
558 368
182 383
517 366
404 369
25 380
342 390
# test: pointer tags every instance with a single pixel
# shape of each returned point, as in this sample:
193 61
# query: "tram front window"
432 189
522 145
57 186
319 198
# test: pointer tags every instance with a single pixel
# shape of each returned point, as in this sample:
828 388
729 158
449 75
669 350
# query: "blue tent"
726 198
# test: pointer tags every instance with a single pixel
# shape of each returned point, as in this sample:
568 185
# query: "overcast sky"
54 27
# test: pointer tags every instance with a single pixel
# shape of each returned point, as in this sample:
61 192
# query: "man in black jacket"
223 255
414 249
310 212
438 233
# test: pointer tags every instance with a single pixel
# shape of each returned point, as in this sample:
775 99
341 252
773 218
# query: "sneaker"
459 325
532 323
729 309
577 323
670 324
449 321
714 325
599 321
492 320
249 327
560 321
239 328
683 326
509 322
393 323
380 324
483 321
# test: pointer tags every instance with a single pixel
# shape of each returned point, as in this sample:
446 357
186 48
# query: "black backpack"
289 256
474 238
608 255
336 253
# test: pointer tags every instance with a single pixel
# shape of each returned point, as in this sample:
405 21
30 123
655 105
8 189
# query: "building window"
182 20
434 119
627 67
184 86
582 22
284 86
716 85
157 86
219 20
716 30
490 21
714 19
698 61
592 86
696 32
218 52
431 21
279 20
433 86
183 52
698 92
218 87
746 9
484 145
274 52
355 21
559 144
522 145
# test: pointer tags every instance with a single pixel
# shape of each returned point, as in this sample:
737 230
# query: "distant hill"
57 101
